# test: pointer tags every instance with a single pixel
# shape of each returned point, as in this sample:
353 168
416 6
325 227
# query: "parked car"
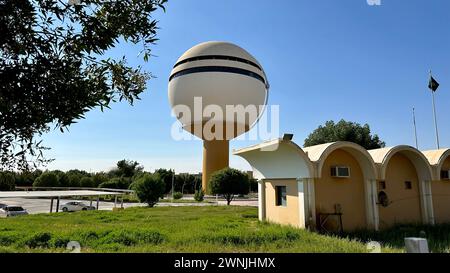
8 211
75 206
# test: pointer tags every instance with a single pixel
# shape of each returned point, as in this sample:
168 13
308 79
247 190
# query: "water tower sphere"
221 74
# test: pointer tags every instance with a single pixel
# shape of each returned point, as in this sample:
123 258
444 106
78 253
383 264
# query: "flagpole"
415 128
435 119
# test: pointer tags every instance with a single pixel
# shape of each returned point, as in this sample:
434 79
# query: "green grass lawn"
163 229
191 229
438 236
186 201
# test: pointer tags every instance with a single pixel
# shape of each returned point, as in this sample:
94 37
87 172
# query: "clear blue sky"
325 60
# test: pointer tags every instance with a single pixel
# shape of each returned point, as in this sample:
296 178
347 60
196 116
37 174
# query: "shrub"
99 178
177 195
40 239
229 182
149 188
7 181
116 183
59 241
24 179
74 180
253 185
64 180
47 179
87 182
199 196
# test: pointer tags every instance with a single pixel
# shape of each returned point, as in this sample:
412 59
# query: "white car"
8 211
75 206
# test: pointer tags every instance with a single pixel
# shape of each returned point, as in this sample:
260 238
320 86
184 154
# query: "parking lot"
34 206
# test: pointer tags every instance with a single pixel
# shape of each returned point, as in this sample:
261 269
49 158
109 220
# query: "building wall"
348 192
404 206
441 197
289 214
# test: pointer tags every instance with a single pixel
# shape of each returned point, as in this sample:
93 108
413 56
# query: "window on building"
340 171
408 185
281 199
445 174
382 185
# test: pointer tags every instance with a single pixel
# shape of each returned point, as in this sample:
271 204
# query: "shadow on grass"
438 236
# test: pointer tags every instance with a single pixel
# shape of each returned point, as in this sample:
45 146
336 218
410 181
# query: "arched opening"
401 186
345 188
342 197
405 178
440 188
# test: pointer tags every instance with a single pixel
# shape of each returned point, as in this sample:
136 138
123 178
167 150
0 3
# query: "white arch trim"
382 157
436 158
277 159
319 153
423 169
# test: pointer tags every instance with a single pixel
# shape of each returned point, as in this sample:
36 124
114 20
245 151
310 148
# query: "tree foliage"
126 168
87 182
53 67
7 181
186 182
27 178
166 176
46 179
228 183
199 195
116 183
149 188
344 131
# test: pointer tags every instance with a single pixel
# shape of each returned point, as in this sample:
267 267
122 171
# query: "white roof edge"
256 146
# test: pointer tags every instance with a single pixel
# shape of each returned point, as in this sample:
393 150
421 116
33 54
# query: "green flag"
433 84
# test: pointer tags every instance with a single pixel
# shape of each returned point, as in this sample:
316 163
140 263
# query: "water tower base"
215 158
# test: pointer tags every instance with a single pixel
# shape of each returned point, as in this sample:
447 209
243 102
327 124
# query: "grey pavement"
35 206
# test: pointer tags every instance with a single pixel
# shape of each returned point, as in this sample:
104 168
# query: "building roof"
259 146
53 194
319 153
383 155
277 158
436 157
378 155
315 152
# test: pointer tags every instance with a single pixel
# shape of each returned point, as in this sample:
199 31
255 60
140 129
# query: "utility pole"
415 128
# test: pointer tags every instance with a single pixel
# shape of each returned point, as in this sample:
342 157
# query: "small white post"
416 245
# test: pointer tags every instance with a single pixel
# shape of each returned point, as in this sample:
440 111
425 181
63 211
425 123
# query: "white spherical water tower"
220 74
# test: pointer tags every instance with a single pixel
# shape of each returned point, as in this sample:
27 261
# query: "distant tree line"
120 177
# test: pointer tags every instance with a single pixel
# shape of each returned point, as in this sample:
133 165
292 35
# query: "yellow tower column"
215 158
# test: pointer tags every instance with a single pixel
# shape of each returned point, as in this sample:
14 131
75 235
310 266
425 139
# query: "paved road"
43 205
34 206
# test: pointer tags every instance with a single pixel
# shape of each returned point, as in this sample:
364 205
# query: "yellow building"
284 172
440 187
342 186
404 186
